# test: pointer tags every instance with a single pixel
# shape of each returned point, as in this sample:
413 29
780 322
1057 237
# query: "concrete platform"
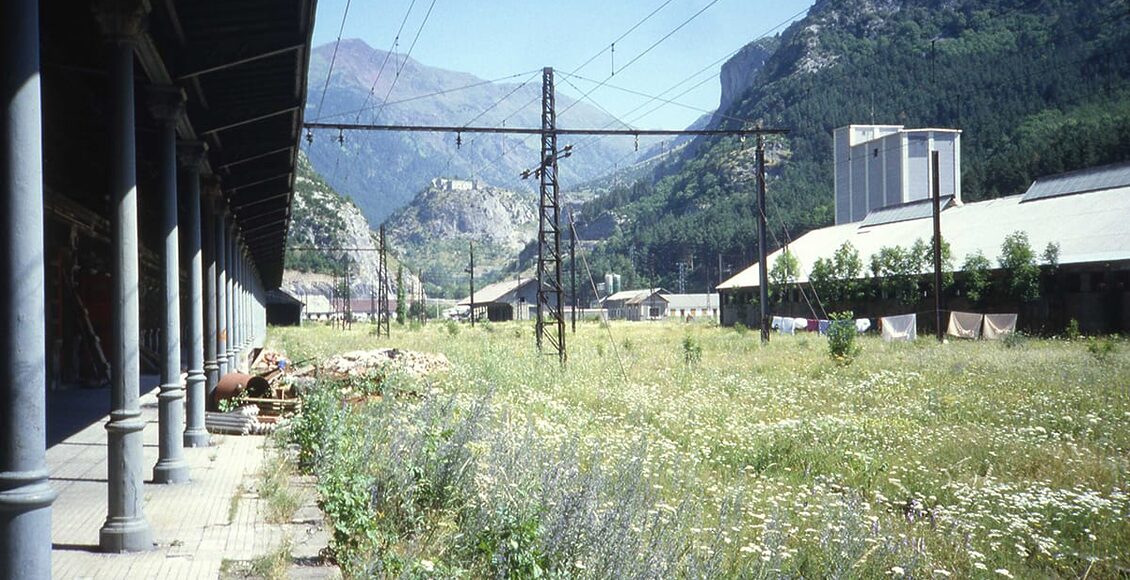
197 525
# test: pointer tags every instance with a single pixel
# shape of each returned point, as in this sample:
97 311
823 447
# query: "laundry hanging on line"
965 324
904 327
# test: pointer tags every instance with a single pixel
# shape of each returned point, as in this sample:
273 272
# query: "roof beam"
246 156
271 197
236 54
251 115
258 178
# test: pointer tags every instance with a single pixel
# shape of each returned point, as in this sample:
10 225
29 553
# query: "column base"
199 438
171 472
125 535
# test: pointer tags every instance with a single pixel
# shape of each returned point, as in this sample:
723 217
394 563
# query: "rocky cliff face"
434 230
327 232
741 71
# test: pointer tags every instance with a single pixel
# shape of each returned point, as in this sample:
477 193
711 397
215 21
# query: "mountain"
434 230
328 231
382 171
1036 86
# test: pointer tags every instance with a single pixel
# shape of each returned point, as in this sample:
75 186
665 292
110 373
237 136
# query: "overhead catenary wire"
407 57
333 59
395 43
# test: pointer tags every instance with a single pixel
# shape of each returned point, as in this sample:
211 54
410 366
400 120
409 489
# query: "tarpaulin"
998 325
904 327
965 324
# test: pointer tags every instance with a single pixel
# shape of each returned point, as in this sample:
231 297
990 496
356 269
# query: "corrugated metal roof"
1084 180
494 292
911 210
1089 227
634 296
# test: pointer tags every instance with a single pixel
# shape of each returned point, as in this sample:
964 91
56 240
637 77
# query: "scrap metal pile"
255 403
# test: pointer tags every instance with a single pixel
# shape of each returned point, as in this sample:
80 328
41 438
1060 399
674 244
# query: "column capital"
166 102
121 20
191 154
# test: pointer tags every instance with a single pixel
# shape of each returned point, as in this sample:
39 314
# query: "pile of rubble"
364 362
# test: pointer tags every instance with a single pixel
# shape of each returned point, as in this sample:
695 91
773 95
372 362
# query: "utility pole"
935 165
763 268
550 291
573 267
471 271
383 287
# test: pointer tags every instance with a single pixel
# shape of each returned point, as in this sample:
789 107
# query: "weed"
1072 330
740 328
233 503
692 351
841 338
452 328
272 565
1014 340
274 488
1101 347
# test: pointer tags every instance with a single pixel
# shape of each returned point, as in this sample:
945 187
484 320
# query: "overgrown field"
673 450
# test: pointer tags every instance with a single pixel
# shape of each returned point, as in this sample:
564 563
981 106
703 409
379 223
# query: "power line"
395 42
333 58
407 56
622 36
647 50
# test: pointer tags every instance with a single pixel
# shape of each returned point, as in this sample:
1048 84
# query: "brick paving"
194 525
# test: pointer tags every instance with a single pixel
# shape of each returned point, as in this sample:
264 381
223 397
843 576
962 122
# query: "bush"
1072 330
1101 348
841 337
692 351
1014 340
452 328
740 328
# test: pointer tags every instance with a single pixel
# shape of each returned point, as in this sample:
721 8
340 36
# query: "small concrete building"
692 305
506 300
648 304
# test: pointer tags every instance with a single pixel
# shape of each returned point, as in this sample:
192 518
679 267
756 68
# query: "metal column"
762 250
221 224
25 495
550 290
126 528
190 154
229 289
166 103
208 223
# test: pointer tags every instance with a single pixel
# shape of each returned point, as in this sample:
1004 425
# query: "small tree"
1019 260
1051 255
976 268
847 269
401 302
785 270
897 271
822 278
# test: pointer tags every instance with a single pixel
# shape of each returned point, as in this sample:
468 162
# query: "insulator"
341 136
309 137
458 140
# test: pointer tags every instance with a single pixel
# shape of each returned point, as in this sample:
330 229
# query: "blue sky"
497 38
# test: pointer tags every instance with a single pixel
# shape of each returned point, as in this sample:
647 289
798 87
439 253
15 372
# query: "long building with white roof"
1086 213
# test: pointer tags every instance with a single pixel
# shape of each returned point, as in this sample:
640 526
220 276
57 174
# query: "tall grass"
755 461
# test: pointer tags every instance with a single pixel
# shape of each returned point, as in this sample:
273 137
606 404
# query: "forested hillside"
1037 86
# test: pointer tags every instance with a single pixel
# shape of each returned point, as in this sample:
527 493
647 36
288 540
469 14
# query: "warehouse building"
1085 213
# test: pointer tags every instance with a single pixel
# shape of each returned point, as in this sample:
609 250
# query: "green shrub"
740 328
1101 348
841 337
692 351
1072 330
452 328
1014 340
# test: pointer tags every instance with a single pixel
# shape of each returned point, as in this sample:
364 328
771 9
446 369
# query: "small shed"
648 304
283 309
506 300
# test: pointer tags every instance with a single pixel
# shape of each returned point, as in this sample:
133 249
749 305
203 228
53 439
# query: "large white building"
883 165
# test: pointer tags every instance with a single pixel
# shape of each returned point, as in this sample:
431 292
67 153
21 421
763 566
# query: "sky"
493 39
